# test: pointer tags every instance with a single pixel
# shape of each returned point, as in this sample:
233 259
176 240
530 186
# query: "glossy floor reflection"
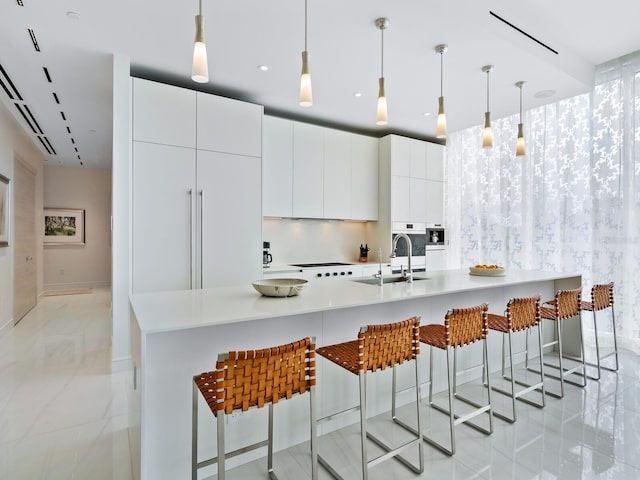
63 415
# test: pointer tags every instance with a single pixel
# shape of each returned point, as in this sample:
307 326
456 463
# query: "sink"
386 280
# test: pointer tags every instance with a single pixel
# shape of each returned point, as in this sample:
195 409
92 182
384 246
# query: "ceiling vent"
8 86
20 3
34 40
519 30
46 74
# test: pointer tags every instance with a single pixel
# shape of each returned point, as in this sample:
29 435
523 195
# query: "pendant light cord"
200 7
441 74
382 53
520 103
488 90
305 25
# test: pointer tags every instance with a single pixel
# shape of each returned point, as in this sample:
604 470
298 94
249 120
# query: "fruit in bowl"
487 266
487 270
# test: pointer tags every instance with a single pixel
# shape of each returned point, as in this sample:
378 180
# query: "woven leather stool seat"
379 347
521 314
462 326
565 305
255 378
601 299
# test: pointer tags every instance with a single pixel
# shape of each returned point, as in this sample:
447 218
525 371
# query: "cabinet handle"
190 239
201 234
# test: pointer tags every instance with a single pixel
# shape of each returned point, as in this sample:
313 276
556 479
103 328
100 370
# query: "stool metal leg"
595 331
270 444
221 452
194 433
363 424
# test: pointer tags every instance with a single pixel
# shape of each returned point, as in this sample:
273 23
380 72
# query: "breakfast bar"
176 335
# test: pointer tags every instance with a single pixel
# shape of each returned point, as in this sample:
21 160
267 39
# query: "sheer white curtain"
571 204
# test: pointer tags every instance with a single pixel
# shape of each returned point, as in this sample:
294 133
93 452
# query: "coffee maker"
266 256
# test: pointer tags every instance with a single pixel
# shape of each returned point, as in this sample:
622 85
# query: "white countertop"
178 310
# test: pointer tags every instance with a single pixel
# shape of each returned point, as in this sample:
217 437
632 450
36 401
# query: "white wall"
121 208
310 241
15 142
88 265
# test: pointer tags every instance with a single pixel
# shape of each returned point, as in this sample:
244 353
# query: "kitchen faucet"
408 277
380 275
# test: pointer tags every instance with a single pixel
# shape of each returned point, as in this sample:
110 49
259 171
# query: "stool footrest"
235 453
393 452
333 416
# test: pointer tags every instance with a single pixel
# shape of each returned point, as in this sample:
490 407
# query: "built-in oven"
436 239
417 233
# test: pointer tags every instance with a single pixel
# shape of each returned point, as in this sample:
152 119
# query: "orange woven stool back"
382 346
466 325
523 313
602 296
258 377
567 303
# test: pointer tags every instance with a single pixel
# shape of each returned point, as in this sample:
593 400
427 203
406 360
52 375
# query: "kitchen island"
176 335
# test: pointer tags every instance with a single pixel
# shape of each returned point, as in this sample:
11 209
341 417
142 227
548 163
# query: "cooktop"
314 265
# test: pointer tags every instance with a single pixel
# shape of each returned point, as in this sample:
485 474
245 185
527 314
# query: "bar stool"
378 347
522 314
255 378
462 326
601 299
565 305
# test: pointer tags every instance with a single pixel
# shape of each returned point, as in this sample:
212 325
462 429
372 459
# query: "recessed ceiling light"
73 15
263 68
357 94
427 114
544 94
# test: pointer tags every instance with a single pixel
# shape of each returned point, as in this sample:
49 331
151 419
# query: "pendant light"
306 95
441 126
487 139
200 68
520 150
381 117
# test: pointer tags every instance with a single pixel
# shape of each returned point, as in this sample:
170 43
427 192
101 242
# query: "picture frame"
64 226
5 211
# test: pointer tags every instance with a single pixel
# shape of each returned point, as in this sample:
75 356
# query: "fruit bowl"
488 270
279 287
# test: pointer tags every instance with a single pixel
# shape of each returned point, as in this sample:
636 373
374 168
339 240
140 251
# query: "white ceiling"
344 49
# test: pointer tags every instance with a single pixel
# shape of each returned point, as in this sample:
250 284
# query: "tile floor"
63 415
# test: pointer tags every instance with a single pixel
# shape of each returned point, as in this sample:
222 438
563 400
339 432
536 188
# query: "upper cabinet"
308 171
171 121
228 126
364 177
277 171
318 172
435 162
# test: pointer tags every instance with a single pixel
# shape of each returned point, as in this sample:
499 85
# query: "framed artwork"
5 211
63 226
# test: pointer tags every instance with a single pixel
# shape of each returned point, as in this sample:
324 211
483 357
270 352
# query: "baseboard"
74 285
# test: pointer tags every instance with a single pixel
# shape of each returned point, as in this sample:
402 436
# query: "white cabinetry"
317 172
411 185
308 171
435 183
277 172
163 203
197 218
163 114
230 126
364 177
337 174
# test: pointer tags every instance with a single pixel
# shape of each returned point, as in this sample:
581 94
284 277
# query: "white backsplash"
310 241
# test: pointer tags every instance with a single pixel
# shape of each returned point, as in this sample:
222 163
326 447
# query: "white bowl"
279 287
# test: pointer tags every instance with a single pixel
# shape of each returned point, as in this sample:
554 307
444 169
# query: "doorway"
25 275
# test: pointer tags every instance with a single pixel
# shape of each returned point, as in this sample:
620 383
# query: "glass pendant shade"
306 94
381 117
520 151
200 68
441 126
487 138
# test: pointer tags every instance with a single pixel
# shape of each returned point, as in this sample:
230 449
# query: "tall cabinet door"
230 214
163 217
